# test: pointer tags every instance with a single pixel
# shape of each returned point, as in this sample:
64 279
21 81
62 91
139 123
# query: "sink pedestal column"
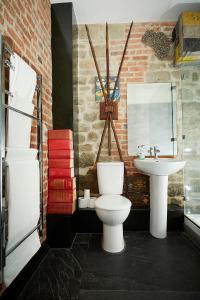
158 206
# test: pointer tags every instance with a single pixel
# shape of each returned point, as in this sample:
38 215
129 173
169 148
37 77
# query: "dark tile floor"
148 269
57 278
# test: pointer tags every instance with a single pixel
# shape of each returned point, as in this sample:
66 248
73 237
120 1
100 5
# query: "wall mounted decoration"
107 107
98 90
159 42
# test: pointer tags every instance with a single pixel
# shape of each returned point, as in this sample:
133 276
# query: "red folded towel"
61 196
60 145
61 153
61 163
61 208
61 173
62 183
60 134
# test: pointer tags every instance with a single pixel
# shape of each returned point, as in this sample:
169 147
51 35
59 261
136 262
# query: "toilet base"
113 239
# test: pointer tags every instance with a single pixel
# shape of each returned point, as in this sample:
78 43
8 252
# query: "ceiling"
123 11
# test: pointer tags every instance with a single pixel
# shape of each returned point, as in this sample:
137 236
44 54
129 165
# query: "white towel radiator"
5 53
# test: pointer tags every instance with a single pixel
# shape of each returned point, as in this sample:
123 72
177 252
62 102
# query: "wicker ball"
158 41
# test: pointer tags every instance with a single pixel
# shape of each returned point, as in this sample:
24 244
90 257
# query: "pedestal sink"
158 170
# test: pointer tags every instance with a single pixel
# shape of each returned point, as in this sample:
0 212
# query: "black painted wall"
63 18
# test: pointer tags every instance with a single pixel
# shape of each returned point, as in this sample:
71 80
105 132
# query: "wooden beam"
116 138
109 135
108 87
102 139
107 65
96 64
122 60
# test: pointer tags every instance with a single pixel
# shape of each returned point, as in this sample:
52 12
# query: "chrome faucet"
156 151
150 151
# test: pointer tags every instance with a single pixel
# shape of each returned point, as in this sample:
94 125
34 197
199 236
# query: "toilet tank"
110 177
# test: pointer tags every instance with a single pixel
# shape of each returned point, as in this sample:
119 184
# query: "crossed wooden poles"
106 94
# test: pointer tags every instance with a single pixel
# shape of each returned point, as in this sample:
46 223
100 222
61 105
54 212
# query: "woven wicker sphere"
158 41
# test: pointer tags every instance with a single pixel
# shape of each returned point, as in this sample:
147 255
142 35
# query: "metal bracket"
9 51
8 64
9 93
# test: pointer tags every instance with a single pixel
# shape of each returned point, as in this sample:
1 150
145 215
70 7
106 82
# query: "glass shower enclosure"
190 94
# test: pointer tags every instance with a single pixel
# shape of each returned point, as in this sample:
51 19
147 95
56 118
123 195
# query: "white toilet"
112 208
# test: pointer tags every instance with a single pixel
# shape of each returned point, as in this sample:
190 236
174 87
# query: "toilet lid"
113 202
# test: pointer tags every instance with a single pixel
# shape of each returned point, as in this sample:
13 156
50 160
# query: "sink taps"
150 151
156 151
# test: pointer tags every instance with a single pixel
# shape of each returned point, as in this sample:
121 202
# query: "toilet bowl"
112 208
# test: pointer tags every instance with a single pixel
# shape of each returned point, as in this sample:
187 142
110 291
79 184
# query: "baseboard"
15 288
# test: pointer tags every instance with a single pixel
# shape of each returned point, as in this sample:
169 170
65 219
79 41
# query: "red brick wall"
27 25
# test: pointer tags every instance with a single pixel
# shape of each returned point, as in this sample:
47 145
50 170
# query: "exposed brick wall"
140 65
27 25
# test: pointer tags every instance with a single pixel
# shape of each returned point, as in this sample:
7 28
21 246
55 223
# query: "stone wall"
140 65
190 87
26 26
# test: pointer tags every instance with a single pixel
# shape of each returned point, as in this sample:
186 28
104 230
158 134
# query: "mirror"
151 109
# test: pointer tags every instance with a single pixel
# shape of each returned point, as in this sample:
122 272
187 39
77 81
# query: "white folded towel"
18 125
23 154
22 79
19 103
17 259
23 193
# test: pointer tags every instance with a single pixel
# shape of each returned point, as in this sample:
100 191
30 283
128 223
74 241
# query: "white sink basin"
160 166
158 170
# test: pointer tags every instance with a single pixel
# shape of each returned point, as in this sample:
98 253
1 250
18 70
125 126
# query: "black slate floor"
57 278
148 269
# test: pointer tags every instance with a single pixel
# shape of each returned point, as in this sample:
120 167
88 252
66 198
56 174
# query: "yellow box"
190 18
187 31
185 59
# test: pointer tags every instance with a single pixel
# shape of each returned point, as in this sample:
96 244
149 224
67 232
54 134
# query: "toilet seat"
112 202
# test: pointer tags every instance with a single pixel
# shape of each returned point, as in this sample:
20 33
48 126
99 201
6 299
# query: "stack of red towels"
62 183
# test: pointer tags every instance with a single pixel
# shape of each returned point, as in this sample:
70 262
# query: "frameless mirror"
151 109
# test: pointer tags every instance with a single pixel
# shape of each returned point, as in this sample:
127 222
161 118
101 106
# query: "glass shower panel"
190 93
